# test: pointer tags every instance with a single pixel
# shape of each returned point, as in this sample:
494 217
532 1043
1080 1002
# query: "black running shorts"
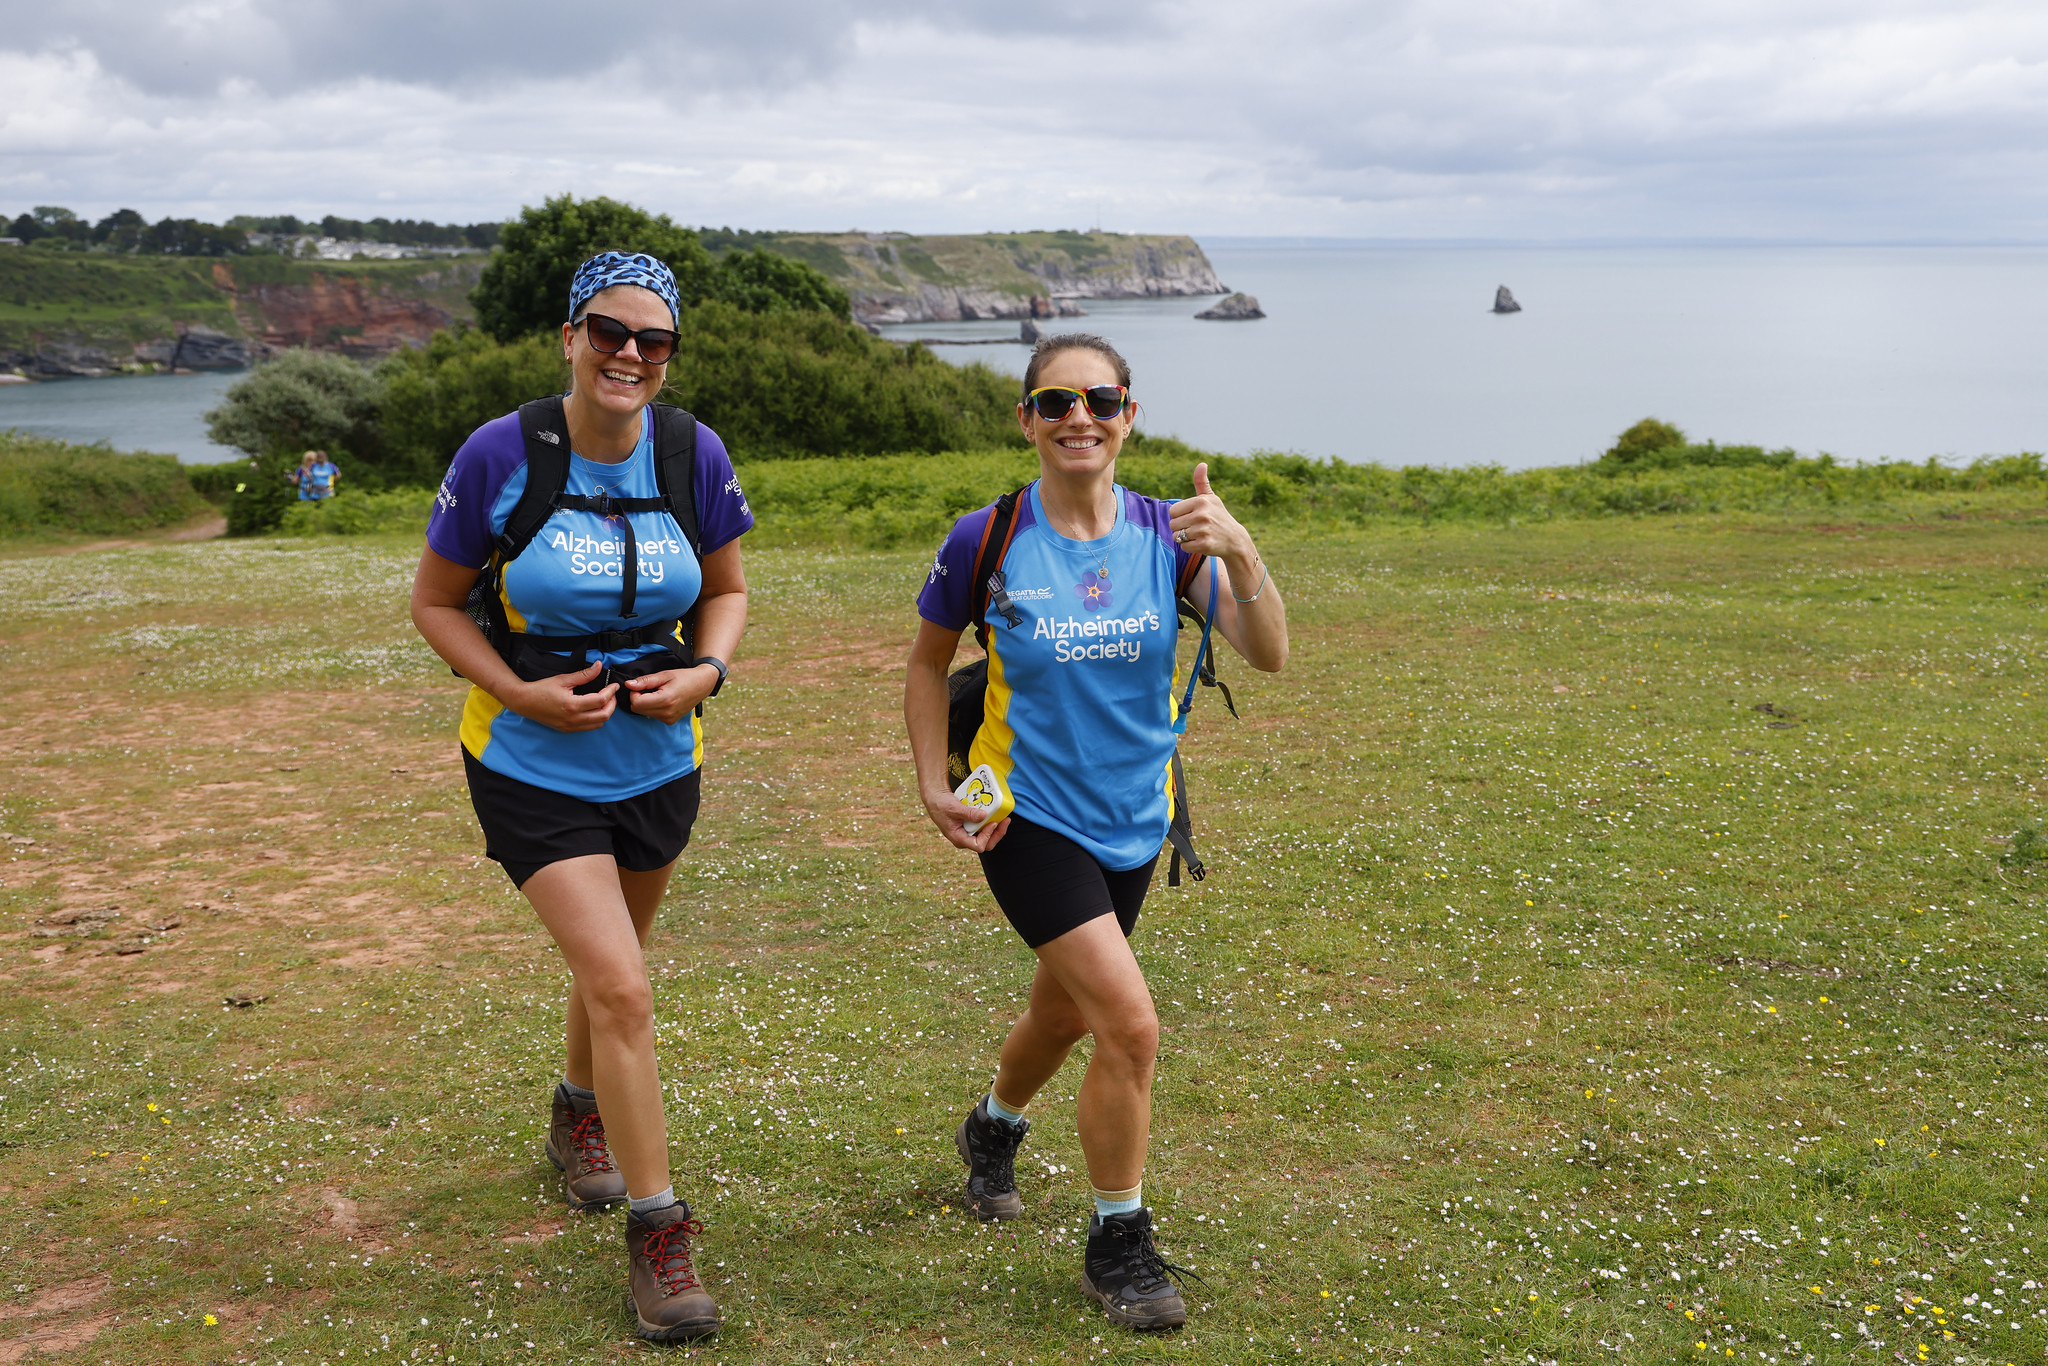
526 827
1047 884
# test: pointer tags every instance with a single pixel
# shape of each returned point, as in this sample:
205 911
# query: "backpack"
532 655
967 686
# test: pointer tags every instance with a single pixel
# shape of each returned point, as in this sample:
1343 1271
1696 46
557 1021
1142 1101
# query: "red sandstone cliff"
358 315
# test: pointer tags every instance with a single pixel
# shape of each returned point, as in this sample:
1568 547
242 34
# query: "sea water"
1391 353
128 412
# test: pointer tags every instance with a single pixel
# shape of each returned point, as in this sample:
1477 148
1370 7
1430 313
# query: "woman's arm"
1258 628
721 618
924 714
440 594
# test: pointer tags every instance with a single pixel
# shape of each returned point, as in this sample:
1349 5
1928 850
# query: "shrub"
302 400
398 510
435 397
787 384
48 485
298 401
1645 438
216 483
268 487
525 288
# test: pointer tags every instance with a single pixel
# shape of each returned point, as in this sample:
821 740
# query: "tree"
121 230
525 288
762 282
1646 438
789 383
298 401
435 397
190 237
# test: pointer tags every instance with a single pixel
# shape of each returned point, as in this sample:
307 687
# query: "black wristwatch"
715 662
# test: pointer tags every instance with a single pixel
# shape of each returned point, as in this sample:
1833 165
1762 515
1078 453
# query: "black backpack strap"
546 430
675 469
675 474
987 584
1180 832
546 433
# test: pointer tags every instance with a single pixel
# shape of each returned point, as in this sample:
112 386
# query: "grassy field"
1624 942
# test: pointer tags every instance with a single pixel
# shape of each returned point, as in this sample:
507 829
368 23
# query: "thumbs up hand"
1203 526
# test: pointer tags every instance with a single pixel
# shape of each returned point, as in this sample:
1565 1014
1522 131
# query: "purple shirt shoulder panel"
948 596
459 528
722 512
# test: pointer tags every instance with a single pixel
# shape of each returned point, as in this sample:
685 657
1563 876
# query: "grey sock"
648 1204
577 1092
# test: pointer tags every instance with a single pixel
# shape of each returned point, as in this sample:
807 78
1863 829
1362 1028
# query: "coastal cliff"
902 278
80 315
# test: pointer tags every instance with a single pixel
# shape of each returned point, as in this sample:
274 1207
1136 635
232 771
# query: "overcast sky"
1845 120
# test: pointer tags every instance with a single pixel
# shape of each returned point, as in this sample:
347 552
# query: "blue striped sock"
1002 1111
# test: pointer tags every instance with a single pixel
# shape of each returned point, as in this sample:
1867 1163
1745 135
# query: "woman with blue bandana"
580 736
1078 726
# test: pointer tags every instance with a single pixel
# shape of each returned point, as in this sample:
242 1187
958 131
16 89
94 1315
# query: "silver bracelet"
1264 573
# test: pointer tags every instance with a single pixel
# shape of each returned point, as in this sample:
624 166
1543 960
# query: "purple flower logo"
1094 591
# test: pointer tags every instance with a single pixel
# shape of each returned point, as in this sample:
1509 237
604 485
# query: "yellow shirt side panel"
993 741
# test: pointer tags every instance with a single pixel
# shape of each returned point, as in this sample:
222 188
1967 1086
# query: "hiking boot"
1123 1272
666 1298
576 1147
989 1148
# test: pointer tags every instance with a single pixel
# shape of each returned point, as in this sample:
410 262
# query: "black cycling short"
526 827
1047 884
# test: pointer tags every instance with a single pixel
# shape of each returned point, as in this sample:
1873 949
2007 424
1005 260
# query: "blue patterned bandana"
609 268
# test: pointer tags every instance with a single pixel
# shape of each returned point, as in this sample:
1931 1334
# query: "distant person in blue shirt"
1078 725
587 797
316 476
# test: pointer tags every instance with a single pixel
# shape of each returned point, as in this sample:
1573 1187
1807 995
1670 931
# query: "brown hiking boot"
666 1297
576 1147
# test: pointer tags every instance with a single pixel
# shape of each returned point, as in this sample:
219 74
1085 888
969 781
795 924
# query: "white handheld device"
984 792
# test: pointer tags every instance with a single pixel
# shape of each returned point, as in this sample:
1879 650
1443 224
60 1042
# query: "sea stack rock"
1029 332
1236 308
1504 301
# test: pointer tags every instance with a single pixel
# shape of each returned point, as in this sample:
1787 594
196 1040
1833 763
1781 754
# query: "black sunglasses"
609 336
1055 401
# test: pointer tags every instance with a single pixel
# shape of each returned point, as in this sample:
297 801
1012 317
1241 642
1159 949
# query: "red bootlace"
672 1244
587 1133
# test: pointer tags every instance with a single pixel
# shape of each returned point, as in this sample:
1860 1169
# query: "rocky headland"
903 278
83 315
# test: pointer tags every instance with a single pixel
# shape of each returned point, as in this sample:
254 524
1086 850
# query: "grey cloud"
191 47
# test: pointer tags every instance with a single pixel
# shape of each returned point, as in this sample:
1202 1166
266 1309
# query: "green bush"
48 485
398 510
1645 438
525 288
216 483
908 499
436 396
792 384
268 486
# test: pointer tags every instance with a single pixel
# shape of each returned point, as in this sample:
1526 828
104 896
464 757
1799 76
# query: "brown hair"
1051 346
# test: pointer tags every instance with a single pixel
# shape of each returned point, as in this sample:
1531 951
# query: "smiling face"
621 383
1077 443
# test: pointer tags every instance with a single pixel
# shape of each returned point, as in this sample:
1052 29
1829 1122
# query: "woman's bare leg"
584 902
643 893
1089 982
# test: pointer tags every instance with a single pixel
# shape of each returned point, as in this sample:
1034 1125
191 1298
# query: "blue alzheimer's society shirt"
567 582
1078 722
